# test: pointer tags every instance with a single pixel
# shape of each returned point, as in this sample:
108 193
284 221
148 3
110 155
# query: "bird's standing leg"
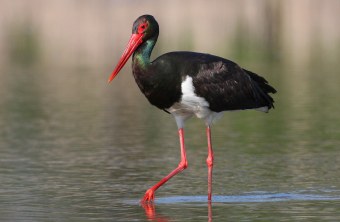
150 193
210 162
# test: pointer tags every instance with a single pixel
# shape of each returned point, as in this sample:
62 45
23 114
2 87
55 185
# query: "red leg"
210 163
150 193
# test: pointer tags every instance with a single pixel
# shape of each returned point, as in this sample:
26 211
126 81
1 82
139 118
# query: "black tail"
265 88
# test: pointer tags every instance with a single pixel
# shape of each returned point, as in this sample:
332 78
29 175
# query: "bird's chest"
161 92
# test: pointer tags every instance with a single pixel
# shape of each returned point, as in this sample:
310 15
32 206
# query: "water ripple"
253 197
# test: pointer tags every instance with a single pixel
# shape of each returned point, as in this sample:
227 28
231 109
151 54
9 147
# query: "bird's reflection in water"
150 212
209 211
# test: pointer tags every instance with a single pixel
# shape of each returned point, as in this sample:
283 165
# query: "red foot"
149 196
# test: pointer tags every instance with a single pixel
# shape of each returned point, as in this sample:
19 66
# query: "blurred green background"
93 33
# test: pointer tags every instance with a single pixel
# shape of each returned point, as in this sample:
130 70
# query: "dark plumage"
234 88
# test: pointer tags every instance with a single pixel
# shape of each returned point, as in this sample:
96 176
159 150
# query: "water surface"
77 149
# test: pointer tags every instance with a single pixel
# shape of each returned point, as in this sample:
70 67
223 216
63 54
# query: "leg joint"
183 164
210 161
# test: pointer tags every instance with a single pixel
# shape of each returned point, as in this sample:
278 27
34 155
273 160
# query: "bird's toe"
149 196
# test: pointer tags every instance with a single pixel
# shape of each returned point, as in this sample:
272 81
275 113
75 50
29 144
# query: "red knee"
183 164
210 161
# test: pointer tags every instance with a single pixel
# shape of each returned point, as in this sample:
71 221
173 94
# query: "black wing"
221 82
225 85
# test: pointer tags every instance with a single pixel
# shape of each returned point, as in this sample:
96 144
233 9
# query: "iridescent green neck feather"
141 56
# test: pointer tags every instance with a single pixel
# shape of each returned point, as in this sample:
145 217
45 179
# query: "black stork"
189 83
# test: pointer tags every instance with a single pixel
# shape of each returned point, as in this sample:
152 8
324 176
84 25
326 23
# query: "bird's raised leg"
150 193
210 162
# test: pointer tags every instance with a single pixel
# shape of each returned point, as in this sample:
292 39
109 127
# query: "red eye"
142 27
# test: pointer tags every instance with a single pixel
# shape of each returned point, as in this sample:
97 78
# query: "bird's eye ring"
142 27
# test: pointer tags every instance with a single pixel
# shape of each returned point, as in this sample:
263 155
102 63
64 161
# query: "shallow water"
77 149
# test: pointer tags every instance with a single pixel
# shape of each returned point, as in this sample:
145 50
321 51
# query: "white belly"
190 104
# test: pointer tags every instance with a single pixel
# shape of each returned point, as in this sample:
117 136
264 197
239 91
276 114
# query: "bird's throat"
141 57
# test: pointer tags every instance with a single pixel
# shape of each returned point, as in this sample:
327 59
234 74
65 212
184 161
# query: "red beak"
134 42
